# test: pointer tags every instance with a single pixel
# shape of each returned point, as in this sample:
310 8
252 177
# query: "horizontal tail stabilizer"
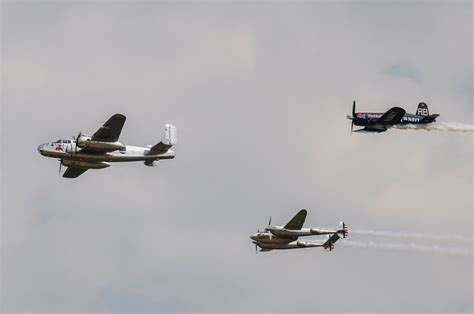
430 118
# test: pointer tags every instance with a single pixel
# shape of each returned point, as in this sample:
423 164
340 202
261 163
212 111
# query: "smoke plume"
438 126
415 235
410 247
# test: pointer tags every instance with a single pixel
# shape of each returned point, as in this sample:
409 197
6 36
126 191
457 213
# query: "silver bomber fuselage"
288 246
266 240
69 151
280 231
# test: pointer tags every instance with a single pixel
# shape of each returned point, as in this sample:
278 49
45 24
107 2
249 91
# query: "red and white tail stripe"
329 247
345 230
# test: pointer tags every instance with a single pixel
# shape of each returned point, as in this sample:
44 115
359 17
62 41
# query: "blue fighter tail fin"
422 110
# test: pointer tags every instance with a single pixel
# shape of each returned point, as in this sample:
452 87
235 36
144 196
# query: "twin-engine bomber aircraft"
97 151
380 122
286 237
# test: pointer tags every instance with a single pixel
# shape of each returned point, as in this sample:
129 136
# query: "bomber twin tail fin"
329 244
343 229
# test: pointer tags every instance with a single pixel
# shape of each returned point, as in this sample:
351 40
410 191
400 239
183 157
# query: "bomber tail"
168 139
169 136
331 239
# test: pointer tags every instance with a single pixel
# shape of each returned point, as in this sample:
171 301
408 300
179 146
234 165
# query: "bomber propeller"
77 141
269 223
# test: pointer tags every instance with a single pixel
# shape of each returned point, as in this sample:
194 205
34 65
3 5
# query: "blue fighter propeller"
353 115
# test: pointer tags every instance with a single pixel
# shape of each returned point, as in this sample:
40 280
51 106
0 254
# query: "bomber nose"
253 237
40 148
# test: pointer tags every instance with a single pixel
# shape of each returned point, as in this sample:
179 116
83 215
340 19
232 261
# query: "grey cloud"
259 92
403 71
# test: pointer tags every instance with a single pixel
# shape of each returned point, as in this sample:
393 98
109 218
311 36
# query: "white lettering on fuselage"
373 116
411 119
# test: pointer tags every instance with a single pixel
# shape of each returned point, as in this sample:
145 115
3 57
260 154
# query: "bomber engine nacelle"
301 243
83 141
85 164
151 163
315 231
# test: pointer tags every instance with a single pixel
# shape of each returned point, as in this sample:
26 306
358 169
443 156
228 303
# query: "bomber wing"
110 131
73 172
296 223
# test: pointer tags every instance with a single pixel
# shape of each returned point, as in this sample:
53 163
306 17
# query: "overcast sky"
259 92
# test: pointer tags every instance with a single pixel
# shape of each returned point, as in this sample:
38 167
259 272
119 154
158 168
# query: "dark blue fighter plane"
381 122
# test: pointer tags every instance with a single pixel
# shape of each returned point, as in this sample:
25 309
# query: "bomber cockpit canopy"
63 141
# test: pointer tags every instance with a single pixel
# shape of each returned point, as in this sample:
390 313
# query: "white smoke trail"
438 126
414 235
411 247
